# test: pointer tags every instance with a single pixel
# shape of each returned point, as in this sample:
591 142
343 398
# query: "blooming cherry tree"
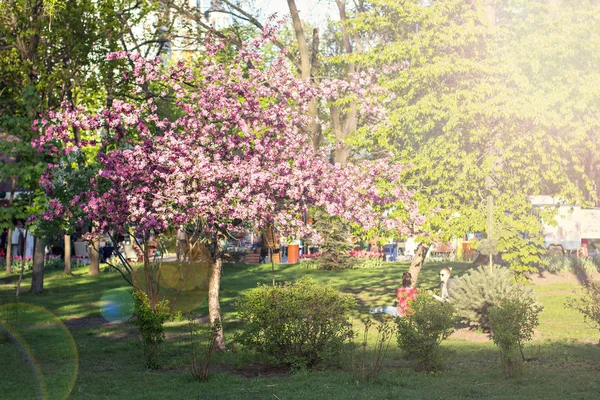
230 153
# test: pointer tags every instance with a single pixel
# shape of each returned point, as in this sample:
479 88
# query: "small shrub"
587 265
199 370
150 323
54 262
559 263
310 263
362 369
296 324
513 322
334 260
368 262
421 332
588 304
475 293
18 263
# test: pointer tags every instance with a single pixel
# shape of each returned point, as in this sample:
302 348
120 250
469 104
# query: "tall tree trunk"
13 187
37 276
555 3
94 257
151 288
67 240
301 39
344 125
9 251
490 12
417 263
308 64
214 308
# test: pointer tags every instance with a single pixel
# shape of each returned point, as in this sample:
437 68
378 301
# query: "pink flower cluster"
365 254
309 256
231 151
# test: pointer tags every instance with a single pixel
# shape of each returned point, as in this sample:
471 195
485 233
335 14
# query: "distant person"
264 252
18 240
403 296
446 283
182 243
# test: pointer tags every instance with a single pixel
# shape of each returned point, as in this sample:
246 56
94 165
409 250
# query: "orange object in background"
293 253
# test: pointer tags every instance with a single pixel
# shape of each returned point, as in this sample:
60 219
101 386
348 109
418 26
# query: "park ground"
92 359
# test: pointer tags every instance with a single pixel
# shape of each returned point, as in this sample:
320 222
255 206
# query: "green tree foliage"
52 52
336 246
497 100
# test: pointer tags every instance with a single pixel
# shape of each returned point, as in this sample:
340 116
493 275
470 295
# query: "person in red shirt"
404 295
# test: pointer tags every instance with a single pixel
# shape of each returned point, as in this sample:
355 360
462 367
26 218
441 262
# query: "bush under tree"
476 292
513 322
150 321
295 324
421 332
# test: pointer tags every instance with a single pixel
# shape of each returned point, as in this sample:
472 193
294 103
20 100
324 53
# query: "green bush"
475 293
54 263
296 324
421 333
588 304
559 263
368 263
587 265
150 323
513 322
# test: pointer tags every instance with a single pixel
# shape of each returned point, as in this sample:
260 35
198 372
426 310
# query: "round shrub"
475 293
296 324
421 332
513 322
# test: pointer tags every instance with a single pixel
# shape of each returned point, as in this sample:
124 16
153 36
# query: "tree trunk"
417 263
94 257
37 276
214 308
346 124
13 187
67 239
308 64
151 288
301 39
9 251
490 12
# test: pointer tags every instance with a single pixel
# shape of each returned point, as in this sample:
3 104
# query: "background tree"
473 121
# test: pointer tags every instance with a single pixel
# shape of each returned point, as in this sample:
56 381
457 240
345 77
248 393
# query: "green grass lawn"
96 360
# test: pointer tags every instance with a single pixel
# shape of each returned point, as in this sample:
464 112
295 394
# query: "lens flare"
184 284
116 305
38 352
